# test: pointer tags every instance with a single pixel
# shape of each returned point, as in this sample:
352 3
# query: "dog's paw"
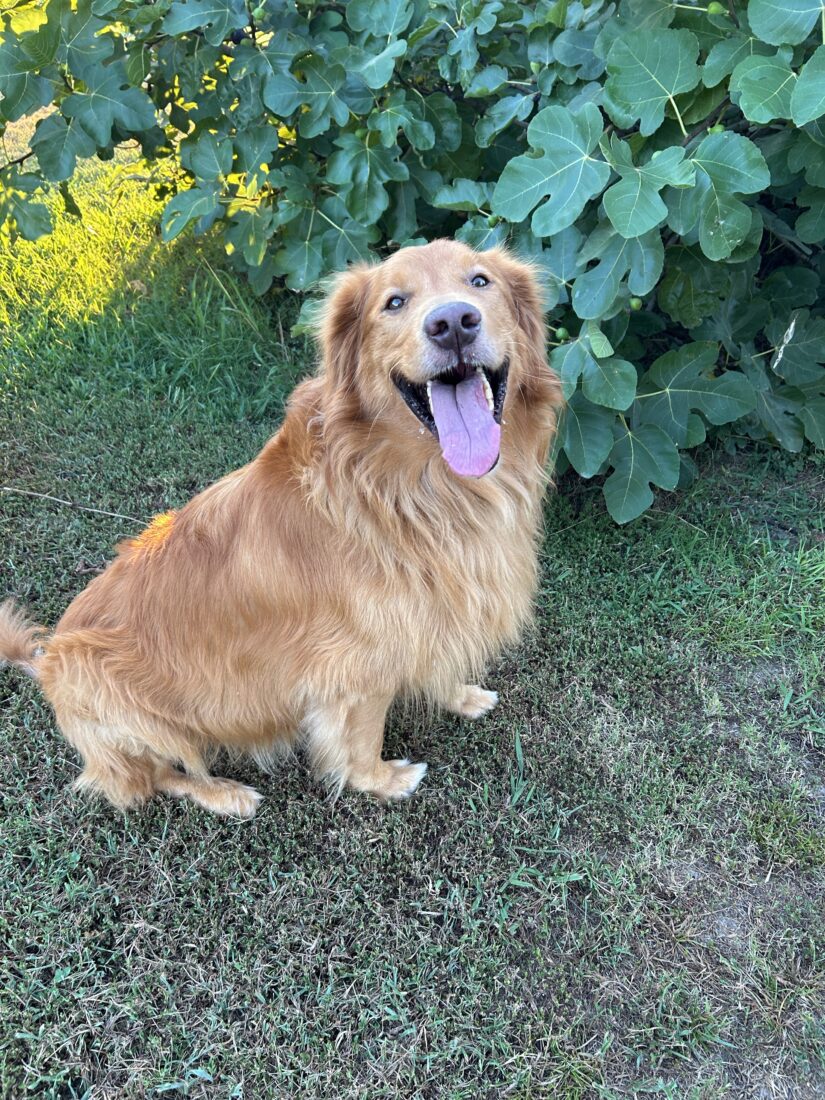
396 779
234 799
473 701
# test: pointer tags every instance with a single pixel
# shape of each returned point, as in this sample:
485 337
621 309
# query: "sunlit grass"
102 304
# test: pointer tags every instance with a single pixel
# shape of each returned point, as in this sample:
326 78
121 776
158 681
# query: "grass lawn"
612 887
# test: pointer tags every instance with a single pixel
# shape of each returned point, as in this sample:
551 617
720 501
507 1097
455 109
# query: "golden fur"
346 566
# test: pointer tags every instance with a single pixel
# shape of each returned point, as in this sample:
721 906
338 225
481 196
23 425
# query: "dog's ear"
341 326
538 384
521 283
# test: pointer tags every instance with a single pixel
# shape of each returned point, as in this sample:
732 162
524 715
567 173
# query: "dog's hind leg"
129 774
221 796
124 775
345 740
129 771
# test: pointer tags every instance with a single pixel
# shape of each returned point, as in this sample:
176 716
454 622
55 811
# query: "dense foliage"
664 164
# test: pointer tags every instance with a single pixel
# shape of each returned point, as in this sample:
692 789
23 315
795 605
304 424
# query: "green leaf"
724 222
724 56
376 69
727 164
691 287
646 70
634 205
647 256
184 208
804 155
739 317
812 416
249 232
733 163
22 216
40 46
643 457
69 204
575 50
362 171
479 234
486 81
22 90
777 408
568 361
780 22
215 18
786 288
301 259
808 97
85 46
610 382
682 381
321 91
108 100
208 156
58 144
254 149
763 87
640 259
561 263
565 170
282 93
345 241
382 18
402 219
442 115
499 116
800 347
588 435
463 195
397 113
599 343
810 226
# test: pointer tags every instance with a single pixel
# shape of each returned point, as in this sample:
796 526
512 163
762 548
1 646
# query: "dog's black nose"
454 325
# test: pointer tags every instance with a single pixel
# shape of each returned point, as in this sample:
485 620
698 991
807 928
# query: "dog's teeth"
430 396
488 393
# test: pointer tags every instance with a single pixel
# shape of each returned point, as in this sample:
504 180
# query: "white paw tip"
247 803
415 773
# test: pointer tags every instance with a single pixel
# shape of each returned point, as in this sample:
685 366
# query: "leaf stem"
678 118
723 106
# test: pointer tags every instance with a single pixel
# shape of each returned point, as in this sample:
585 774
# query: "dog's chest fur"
454 591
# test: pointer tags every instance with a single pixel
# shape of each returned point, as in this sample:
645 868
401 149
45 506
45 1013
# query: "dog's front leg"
345 738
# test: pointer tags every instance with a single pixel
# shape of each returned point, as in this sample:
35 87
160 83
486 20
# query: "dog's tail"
19 639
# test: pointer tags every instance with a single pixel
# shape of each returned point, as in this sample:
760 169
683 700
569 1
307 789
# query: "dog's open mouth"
462 408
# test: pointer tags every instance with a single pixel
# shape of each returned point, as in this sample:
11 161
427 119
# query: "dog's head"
439 340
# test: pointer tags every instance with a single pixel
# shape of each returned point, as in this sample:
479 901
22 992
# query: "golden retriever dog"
382 545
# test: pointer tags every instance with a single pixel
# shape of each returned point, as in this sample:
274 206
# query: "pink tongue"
467 432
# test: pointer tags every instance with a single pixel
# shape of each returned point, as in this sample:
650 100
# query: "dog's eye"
396 302
479 280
